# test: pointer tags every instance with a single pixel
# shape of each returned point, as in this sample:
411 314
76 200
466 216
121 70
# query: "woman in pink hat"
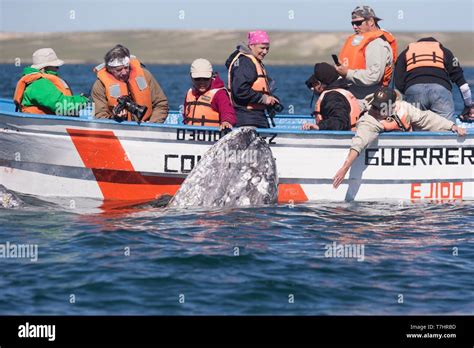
248 81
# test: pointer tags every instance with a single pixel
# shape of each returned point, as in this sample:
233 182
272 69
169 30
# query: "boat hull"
53 156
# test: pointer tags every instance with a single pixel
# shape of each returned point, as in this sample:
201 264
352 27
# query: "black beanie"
325 73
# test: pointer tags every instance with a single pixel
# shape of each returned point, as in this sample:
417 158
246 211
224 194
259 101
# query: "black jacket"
243 76
335 109
452 72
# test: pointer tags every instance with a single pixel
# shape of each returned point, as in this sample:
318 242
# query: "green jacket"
44 93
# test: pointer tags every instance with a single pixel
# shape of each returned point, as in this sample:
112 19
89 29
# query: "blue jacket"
243 75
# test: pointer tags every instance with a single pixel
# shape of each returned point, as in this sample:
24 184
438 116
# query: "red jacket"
221 102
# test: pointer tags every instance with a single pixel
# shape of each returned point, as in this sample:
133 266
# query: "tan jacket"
368 128
378 54
158 100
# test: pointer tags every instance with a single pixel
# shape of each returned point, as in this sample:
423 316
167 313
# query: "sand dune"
175 47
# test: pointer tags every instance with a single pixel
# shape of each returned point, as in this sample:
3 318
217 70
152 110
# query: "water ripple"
267 260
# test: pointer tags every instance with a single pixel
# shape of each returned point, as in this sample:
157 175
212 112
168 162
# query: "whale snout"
8 199
239 170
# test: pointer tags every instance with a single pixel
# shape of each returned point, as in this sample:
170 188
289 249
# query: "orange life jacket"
352 54
389 124
199 111
136 87
355 108
259 85
424 54
26 80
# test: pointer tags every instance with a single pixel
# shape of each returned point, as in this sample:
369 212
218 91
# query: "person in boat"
367 58
207 102
121 76
423 73
389 113
41 91
248 81
336 107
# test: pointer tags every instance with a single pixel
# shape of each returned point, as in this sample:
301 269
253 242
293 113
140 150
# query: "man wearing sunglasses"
368 56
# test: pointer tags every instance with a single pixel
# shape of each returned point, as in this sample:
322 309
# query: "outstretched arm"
424 120
341 173
368 129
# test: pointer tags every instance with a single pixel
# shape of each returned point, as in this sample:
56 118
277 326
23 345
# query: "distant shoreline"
182 47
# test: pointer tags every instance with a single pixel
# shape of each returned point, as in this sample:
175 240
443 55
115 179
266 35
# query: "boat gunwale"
270 131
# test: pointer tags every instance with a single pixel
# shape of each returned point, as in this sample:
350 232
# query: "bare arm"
341 173
368 129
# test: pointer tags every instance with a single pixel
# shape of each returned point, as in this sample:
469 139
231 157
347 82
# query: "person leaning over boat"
336 107
424 72
389 113
248 81
207 102
368 56
123 75
41 91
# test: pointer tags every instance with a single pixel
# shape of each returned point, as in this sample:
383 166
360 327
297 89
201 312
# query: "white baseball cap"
201 68
45 57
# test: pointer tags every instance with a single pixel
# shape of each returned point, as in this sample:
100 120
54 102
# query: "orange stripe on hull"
102 152
135 186
291 193
100 149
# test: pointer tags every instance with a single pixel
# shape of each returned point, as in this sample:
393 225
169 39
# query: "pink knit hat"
258 37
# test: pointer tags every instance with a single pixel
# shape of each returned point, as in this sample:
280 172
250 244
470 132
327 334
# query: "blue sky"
314 15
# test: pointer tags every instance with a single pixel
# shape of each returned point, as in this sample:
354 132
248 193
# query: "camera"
466 114
126 102
272 110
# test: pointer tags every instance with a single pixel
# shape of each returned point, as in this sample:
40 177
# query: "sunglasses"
358 23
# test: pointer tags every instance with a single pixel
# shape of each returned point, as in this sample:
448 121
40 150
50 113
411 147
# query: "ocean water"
175 82
279 260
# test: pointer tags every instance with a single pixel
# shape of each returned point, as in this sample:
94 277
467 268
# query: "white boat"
57 156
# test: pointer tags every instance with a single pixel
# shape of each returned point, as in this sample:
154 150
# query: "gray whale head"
239 170
8 199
